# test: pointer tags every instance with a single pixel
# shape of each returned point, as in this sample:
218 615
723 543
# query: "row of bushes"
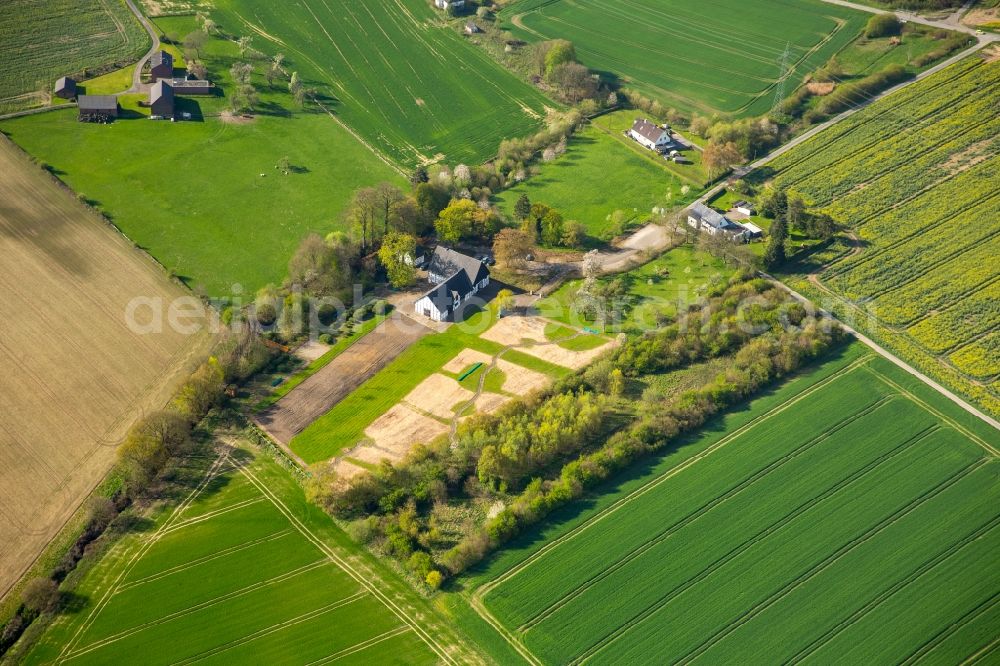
148 447
757 363
548 447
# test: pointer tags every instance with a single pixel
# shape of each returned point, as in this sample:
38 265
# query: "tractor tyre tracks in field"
741 548
719 500
476 599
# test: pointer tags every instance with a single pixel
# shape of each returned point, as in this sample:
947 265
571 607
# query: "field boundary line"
210 474
737 550
114 638
673 471
201 560
834 557
933 410
284 624
212 514
363 645
986 650
885 595
948 631
712 504
346 567
477 605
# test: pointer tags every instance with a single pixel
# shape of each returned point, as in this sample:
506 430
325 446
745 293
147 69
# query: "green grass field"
914 179
344 425
596 176
67 38
848 515
191 193
242 570
410 86
675 279
726 58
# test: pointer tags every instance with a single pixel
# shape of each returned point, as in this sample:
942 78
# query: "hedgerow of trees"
547 449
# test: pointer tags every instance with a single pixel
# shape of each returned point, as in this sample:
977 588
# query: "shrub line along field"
75 373
930 153
850 500
243 569
729 60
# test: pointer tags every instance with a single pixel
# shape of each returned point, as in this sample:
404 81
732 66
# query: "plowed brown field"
74 374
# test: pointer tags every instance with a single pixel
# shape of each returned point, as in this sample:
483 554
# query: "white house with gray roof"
457 277
651 135
711 221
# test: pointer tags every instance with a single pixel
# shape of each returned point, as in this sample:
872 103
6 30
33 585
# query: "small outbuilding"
449 4
471 28
97 108
161 100
745 207
65 88
753 232
161 66
184 86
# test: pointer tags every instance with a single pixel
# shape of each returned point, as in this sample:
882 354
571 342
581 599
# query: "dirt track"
316 395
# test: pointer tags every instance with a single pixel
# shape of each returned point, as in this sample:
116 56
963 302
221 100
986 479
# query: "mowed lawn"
596 176
723 57
243 570
204 197
670 282
849 515
409 85
45 40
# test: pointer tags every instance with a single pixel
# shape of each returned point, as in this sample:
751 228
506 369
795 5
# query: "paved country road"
889 355
137 85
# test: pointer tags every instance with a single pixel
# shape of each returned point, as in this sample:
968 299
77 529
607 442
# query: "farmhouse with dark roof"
65 88
161 66
650 135
97 108
161 100
457 278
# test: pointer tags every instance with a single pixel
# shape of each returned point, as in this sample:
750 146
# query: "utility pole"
779 89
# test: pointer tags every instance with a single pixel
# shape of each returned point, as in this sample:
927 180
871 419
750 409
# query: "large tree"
560 51
195 41
364 212
522 207
774 255
511 248
396 254
719 157
455 221
388 196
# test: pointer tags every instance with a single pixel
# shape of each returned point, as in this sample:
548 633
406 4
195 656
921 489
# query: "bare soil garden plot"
74 375
520 330
315 396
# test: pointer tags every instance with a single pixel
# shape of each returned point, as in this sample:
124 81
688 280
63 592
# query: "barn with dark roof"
161 100
161 66
97 108
65 88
